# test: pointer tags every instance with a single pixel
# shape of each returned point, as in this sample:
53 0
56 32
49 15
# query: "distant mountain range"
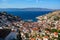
36 9
25 9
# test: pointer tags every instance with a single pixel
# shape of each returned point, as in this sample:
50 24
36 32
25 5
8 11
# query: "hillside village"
47 26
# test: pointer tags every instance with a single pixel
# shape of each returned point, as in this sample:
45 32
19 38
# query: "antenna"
37 2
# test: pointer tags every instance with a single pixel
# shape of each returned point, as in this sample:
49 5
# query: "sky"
50 4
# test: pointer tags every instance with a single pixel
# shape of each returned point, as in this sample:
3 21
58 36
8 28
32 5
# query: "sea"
28 15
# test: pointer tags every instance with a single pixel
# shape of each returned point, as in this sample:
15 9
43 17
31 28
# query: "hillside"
7 19
55 15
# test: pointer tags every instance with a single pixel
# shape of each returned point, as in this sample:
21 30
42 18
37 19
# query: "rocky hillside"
52 16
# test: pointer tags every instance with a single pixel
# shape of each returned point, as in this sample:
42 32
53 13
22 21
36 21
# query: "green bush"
53 30
58 31
27 35
56 18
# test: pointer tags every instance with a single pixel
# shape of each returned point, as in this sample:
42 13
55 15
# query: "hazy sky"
51 4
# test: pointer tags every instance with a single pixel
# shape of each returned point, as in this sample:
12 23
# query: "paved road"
11 36
6 34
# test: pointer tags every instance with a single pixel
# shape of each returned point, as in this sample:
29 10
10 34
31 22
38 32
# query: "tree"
19 36
56 18
58 31
53 30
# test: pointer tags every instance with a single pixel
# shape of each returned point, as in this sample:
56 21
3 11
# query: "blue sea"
28 15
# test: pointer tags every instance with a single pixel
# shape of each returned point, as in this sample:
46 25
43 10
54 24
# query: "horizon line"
29 7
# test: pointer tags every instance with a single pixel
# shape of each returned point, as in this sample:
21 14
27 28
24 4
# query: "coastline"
26 15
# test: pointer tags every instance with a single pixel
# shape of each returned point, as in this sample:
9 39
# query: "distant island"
25 9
